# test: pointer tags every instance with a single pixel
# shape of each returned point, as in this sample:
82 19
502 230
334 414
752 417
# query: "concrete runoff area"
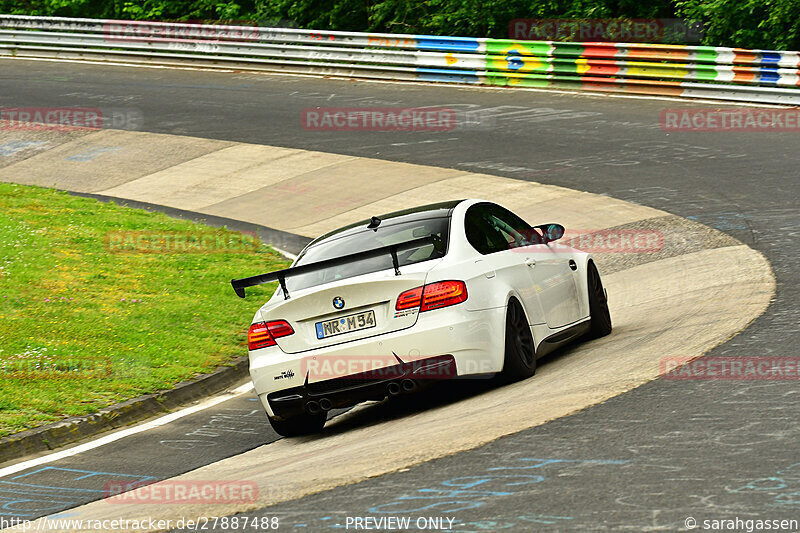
708 288
303 192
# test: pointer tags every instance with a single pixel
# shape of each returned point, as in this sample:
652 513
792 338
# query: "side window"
483 231
510 218
515 230
505 231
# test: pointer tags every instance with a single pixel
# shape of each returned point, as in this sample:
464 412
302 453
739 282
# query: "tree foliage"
136 10
765 24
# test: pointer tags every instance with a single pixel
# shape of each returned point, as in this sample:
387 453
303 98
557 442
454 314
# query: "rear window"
367 239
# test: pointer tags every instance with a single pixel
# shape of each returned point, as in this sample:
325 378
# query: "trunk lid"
309 310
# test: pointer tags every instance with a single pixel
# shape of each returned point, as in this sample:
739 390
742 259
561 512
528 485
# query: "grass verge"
101 303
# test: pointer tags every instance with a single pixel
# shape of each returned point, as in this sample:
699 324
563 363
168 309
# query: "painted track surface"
708 266
618 163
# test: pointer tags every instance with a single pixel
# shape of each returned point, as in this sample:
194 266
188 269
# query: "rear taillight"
279 328
433 296
409 299
442 294
263 334
259 337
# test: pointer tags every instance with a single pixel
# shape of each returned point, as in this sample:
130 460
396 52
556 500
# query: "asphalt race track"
645 460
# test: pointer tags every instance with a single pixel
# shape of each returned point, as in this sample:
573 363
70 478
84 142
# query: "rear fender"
484 292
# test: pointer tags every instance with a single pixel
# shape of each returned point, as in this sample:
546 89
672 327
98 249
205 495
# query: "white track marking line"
284 253
102 441
685 99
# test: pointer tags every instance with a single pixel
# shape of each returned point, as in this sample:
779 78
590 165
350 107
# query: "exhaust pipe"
394 388
325 404
313 408
409 385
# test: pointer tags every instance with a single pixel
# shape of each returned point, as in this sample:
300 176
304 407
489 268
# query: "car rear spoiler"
280 275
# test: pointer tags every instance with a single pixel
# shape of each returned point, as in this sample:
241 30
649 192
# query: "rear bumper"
355 388
472 340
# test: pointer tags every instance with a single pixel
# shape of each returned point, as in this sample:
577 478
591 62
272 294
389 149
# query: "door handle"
572 265
530 262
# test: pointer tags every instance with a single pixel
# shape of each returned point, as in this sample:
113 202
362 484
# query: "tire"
600 324
520 354
305 424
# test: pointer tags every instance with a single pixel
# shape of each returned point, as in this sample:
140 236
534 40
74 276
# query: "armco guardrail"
692 71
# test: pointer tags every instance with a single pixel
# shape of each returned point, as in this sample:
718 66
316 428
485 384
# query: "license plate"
345 324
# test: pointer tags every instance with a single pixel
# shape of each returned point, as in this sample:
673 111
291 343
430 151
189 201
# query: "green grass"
83 326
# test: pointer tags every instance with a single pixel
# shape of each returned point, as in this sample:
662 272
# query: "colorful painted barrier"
764 76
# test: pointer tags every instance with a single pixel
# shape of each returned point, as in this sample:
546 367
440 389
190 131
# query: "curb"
70 430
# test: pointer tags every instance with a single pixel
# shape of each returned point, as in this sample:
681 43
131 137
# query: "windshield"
367 239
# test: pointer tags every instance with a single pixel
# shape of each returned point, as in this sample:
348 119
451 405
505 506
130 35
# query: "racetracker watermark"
181 492
606 30
191 31
731 368
378 119
720 119
69 118
602 241
373 367
49 367
622 241
180 242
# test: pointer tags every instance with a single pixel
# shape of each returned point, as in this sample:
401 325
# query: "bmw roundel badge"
338 302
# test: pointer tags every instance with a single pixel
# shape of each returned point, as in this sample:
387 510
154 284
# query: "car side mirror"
551 232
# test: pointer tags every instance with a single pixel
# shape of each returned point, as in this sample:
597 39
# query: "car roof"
436 210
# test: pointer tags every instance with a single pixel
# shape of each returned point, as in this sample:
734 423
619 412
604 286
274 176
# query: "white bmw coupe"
374 309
